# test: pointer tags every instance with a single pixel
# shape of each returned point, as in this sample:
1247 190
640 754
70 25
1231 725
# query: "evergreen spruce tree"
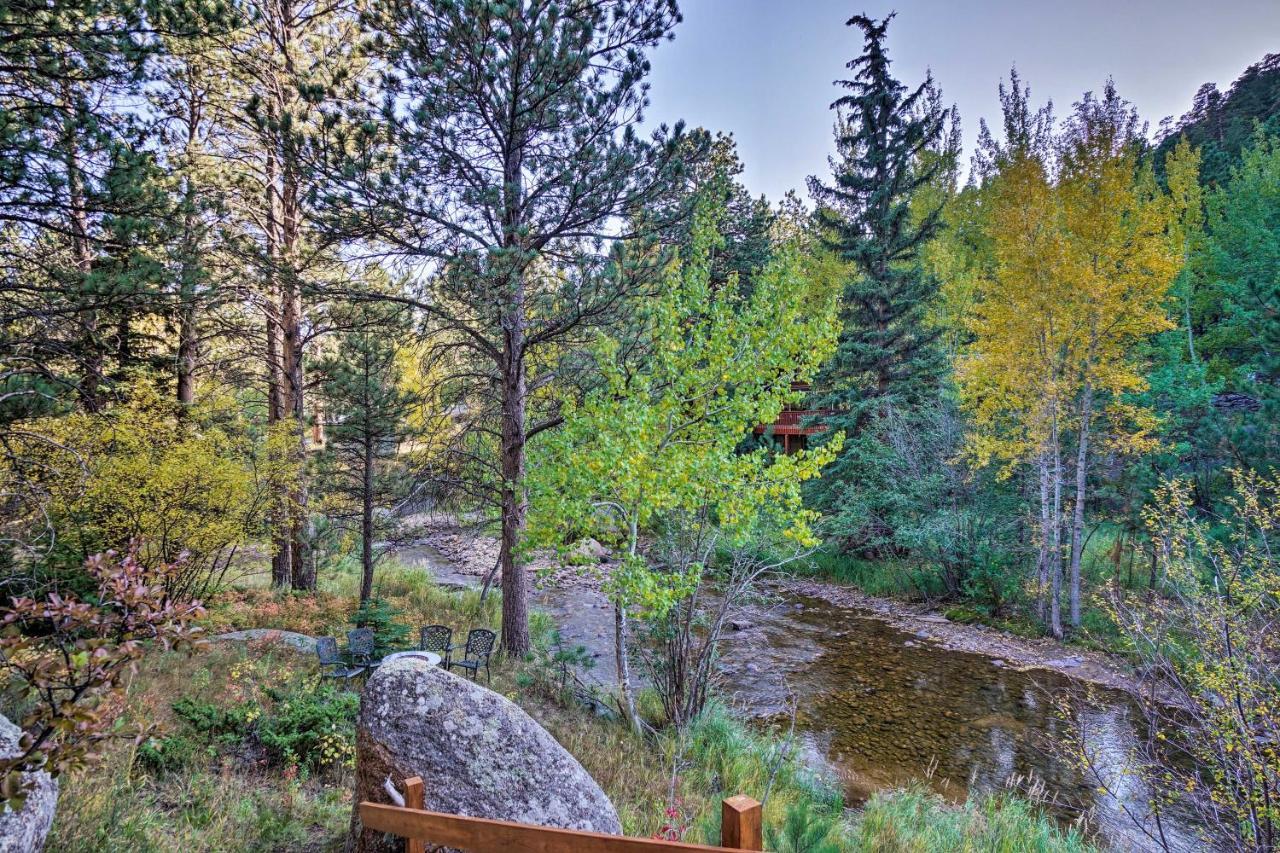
888 358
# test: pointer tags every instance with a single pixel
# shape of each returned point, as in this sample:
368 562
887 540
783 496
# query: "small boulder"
590 550
300 642
24 830
477 752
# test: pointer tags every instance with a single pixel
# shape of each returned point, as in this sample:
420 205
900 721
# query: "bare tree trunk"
1055 557
1046 537
620 631
1077 522
620 638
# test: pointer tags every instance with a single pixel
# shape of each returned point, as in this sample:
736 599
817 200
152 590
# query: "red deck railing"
791 420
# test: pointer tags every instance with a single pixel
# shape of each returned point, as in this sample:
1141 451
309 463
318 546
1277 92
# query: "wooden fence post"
413 799
740 827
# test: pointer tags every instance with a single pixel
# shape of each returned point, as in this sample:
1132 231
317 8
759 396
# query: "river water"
877 708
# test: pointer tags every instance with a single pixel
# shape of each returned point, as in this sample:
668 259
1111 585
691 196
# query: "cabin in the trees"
794 425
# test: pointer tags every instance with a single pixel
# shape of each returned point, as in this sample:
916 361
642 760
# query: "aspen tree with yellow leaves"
1085 249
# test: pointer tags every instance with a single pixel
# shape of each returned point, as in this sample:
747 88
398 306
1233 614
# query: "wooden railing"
739 830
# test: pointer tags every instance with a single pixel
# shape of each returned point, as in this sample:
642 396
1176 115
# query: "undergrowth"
254 754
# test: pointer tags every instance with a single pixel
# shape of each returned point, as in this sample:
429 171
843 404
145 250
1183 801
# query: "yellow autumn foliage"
137 475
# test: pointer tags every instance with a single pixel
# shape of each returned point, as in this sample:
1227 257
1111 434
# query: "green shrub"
965 614
804 830
915 819
549 666
883 578
313 728
211 719
168 753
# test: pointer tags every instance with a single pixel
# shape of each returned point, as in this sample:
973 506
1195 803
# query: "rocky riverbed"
467 555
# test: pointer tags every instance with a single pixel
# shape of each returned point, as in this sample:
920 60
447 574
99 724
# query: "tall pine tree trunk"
366 520
514 501
302 574
514 393
1077 521
291 311
92 357
188 341
188 350
281 555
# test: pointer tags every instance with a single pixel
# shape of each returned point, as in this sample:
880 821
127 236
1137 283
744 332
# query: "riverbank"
881 694
1005 649
471 555
209 778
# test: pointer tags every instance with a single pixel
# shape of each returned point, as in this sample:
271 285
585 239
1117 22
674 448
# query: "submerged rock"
24 831
478 754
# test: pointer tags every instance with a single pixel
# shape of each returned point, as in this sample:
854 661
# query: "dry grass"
217 802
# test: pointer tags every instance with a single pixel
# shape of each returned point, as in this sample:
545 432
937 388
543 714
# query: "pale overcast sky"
763 68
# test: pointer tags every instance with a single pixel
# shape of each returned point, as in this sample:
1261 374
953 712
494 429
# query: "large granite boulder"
24 831
477 753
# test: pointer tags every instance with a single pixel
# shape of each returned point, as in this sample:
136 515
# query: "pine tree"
504 159
888 357
293 61
70 162
1244 259
367 411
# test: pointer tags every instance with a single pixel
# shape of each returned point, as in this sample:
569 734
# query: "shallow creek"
878 708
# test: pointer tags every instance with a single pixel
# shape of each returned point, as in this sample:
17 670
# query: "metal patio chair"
476 653
438 639
360 644
332 664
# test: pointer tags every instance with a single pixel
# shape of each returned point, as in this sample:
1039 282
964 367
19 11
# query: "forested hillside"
1223 125
380 317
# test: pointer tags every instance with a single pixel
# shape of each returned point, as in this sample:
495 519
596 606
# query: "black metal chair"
332 664
437 638
476 653
360 644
